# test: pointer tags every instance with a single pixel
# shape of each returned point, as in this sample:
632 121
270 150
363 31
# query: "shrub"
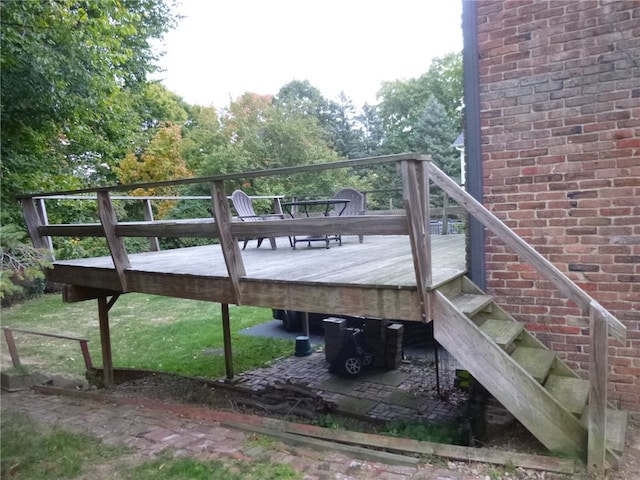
21 265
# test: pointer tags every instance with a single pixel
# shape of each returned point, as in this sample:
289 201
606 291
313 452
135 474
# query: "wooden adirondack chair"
243 204
354 207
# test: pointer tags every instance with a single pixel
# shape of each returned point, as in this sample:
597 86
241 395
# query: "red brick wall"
560 119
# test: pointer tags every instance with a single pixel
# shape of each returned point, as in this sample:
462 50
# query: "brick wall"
560 119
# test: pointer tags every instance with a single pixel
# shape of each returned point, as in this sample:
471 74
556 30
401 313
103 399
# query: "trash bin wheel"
367 359
352 366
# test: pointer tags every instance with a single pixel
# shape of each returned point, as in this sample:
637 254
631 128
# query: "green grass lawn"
147 331
32 452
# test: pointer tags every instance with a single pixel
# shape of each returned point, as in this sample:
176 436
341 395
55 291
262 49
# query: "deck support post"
105 341
305 323
416 203
596 452
226 335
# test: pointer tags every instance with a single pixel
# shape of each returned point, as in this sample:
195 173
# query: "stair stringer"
525 398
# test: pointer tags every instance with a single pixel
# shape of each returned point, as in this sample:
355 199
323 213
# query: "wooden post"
305 323
598 365
33 222
115 243
416 198
445 213
44 220
13 351
105 341
154 245
230 247
226 335
86 355
277 209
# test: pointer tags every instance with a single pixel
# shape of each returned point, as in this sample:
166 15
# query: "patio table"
327 203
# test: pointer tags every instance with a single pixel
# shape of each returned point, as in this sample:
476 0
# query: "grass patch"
436 432
28 452
426 432
147 331
170 468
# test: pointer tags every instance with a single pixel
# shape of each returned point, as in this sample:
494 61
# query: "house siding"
559 86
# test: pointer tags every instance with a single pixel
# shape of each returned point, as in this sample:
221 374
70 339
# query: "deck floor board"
350 277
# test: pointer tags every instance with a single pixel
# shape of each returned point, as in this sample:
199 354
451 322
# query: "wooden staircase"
528 379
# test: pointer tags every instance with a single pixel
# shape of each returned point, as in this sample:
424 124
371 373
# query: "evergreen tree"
433 135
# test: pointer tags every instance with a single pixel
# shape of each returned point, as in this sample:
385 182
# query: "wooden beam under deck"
375 278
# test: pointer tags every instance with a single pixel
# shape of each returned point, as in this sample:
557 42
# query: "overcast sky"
223 48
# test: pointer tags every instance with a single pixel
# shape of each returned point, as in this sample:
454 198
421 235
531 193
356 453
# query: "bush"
21 265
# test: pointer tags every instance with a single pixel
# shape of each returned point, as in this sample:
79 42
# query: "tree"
162 160
403 101
405 109
302 98
69 71
345 135
370 132
433 135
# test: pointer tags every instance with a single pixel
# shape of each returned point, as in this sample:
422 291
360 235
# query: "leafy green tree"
155 105
201 136
403 101
302 98
69 71
405 110
259 134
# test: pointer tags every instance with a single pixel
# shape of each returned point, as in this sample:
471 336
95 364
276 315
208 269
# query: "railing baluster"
154 245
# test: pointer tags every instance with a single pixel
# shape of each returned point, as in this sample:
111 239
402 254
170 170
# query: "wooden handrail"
317 167
13 350
145 197
526 251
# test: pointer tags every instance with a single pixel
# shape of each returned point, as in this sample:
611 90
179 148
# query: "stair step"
616 428
470 304
571 392
502 332
536 361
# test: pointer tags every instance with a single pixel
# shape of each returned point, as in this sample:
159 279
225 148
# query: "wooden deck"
375 278
399 272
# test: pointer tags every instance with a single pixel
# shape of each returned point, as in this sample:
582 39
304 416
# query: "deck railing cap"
359 162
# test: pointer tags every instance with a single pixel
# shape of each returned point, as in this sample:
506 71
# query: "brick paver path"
150 430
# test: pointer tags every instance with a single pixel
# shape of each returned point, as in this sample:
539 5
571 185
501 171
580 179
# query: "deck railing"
417 172
441 217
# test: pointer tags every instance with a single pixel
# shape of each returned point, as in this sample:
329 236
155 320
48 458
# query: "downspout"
473 139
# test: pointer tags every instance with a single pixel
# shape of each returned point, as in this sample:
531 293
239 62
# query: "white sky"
223 48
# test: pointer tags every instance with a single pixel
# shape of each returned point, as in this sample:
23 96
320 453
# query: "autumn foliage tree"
161 160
